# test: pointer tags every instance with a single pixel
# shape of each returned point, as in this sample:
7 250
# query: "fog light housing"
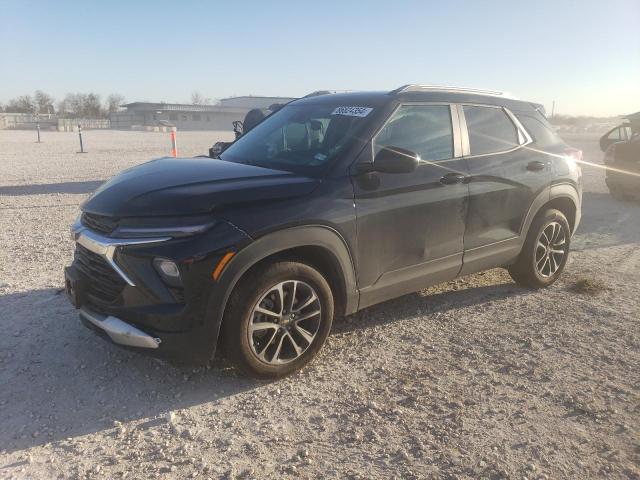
169 271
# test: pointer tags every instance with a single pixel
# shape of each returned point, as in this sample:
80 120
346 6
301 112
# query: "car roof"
423 94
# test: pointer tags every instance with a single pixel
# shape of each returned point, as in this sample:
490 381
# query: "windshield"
299 138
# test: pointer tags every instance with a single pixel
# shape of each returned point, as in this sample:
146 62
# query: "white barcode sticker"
352 111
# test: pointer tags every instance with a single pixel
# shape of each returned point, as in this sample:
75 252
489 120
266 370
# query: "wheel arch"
563 197
319 246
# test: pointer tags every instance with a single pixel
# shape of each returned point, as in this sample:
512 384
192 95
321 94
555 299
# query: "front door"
410 226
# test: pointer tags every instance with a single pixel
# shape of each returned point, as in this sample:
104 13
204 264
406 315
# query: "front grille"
99 223
178 294
105 284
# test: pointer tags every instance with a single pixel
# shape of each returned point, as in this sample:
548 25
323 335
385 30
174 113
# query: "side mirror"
395 160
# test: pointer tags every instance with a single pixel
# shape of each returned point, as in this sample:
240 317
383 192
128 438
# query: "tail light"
574 154
574 159
610 155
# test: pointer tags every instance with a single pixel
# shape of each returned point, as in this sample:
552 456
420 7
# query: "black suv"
332 204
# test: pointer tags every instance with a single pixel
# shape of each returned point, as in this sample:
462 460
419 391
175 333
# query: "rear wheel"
545 251
277 319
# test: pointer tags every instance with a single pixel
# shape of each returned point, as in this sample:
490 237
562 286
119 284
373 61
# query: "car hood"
182 186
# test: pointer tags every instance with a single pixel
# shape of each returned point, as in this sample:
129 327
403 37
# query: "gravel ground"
474 378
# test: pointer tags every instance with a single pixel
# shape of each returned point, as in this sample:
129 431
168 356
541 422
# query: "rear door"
505 178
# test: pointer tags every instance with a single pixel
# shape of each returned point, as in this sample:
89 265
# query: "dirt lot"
475 378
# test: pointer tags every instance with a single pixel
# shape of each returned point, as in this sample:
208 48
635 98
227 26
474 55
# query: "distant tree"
43 102
81 105
92 106
113 103
71 105
198 99
23 104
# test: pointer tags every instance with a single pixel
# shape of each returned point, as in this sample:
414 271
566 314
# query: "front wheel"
545 251
277 319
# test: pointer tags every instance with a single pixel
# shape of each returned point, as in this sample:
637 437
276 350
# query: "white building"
190 117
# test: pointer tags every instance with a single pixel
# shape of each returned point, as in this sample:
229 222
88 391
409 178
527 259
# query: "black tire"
240 347
526 271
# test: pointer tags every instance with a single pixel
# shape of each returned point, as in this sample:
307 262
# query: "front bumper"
120 332
140 311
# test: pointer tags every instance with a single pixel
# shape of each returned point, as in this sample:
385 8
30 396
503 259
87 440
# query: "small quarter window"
541 130
423 129
490 130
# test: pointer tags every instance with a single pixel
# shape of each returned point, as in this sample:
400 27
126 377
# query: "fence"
71 124
28 121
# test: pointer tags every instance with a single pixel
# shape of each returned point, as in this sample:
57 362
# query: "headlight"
162 227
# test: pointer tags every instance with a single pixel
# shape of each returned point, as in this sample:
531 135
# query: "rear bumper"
629 184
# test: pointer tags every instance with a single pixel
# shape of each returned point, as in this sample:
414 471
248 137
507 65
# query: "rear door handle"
536 166
452 178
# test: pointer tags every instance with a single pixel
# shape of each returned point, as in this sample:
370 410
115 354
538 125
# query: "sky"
584 55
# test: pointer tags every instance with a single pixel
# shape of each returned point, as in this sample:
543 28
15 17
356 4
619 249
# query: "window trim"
524 138
456 130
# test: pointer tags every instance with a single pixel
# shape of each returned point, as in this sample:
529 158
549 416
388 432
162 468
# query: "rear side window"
540 130
423 129
490 130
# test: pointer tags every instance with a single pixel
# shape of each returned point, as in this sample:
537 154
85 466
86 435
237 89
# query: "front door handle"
452 178
536 166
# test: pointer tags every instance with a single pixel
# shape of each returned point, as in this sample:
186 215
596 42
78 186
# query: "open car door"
621 133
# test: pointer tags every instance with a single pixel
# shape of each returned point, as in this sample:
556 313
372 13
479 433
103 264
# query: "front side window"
423 129
490 130
300 138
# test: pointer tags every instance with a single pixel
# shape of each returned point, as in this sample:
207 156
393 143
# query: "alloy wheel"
551 249
284 322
